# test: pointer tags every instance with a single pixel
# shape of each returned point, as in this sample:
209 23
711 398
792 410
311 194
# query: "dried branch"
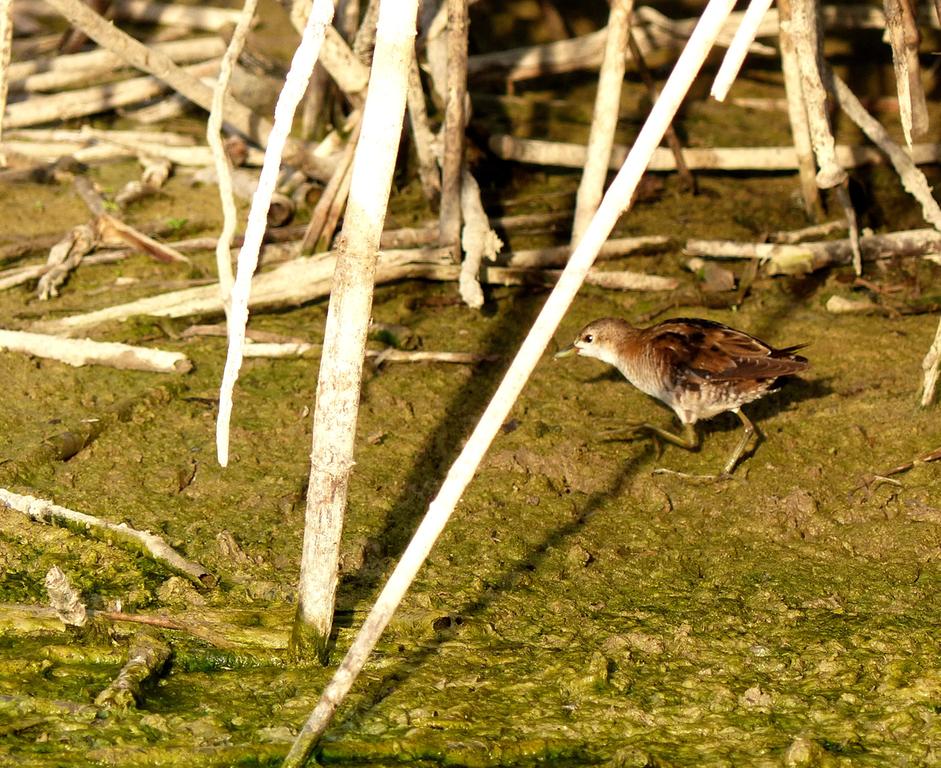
64 257
913 180
605 119
422 136
807 233
567 155
304 279
335 193
797 114
154 546
79 352
98 98
478 241
673 140
226 629
780 259
931 366
6 52
59 72
240 117
203 17
146 659
831 174
454 122
339 381
155 172
64 599
904 37
94 149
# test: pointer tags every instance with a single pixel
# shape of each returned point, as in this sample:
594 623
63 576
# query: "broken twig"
79 352
42 511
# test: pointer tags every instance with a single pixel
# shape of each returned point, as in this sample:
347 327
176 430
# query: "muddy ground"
578 608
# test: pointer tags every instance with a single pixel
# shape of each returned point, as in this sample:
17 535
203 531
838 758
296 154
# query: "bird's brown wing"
704 349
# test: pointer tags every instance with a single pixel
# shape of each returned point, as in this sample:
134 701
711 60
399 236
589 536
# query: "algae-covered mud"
578 609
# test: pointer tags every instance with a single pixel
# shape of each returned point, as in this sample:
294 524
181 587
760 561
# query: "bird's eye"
588 338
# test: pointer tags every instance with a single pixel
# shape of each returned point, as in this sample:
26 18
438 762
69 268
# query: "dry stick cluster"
363 171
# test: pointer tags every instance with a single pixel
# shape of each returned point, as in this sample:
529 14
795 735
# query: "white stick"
931 366
786 258
79 352
567 155
797 113
735 55
56 73
478 240
804 19
612 206
605 118
339 381
87 134
97 98
293 91
290 284
221 158
6 51
43 511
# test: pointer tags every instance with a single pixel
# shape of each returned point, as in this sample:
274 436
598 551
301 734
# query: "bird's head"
600 339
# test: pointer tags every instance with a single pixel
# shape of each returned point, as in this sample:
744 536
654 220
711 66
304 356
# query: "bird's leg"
688 440
749 432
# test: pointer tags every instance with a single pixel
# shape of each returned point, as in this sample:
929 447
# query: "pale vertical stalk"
738 48
365 38
806 43
904 37
298 14
315 103
341 367
348 18
615 202
605 118
220 156
797 114
478 241
687 180
422 135
930 365
6 50
295 84
831 174
454 119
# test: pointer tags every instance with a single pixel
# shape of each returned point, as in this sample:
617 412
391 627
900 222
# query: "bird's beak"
570 350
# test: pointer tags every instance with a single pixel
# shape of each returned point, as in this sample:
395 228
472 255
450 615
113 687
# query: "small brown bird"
699 368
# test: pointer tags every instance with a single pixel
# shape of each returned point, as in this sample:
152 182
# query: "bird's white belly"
690 403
